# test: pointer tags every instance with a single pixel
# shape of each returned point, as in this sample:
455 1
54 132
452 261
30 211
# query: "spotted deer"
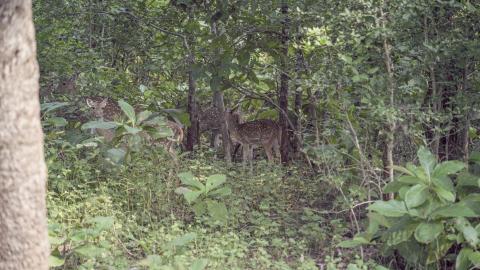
107 109
210 120
262 132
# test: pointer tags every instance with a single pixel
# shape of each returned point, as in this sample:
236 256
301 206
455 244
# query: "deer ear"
90 103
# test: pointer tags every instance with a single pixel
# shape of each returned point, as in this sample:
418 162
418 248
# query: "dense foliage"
360 89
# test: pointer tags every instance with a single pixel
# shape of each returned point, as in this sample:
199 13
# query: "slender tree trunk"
23 222
312 115
390 125
466 128
192 131
227 143
220 105
284 78
297 121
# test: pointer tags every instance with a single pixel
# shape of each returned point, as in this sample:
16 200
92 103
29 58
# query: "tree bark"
23 222
284 78
220 105
227 143
298 97
192 131
390 125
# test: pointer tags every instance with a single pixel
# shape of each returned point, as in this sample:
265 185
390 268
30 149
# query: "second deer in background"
210 120
262 132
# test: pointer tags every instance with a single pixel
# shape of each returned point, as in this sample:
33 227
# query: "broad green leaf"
403 170
443 182
132 130
217 210
392 187
454 210
200 208
390 208
54 261
99 124
188 179
400 236
199 264
463 261
403 191
412 251
467 179
416 195
50 106
448 167
191 196
444 194
356 241
475 157
142 116
427 232
407 179
90 251
475 258
378 219
470 234
225 191
214 181
427 160
128 110
57 121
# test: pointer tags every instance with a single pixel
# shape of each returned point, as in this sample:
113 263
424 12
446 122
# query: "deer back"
210 119
253 132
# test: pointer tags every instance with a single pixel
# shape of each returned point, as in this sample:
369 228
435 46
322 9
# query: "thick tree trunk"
283 91
23 222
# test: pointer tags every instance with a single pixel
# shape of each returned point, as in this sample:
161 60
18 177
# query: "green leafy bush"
205 197
429 215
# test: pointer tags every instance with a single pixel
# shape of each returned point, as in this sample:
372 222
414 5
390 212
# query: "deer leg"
276 148
268 151
216 142
250 157
245 151
213 137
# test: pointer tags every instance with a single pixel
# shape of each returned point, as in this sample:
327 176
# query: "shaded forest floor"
104 216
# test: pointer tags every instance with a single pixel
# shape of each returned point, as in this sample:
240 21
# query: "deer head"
104 108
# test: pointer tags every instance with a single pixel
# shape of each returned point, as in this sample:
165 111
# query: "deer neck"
233 127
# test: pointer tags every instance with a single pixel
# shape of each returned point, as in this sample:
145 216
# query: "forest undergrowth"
127 216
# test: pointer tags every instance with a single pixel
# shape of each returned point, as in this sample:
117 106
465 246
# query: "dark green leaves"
427 160
391 208
416 195
427 232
